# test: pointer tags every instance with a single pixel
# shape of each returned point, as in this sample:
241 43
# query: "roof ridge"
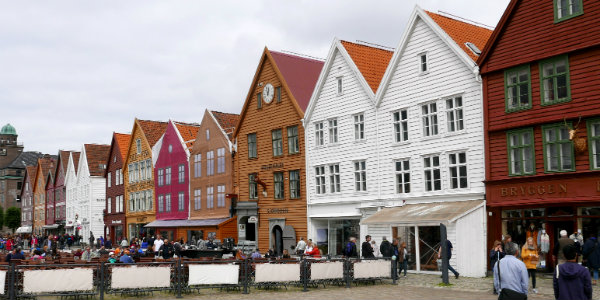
367 44
299 56
462 20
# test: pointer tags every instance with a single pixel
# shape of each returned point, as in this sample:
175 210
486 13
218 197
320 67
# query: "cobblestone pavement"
415 286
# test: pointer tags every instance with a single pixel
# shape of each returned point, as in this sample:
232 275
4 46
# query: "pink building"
171 175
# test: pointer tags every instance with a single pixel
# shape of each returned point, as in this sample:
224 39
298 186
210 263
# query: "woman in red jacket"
314 252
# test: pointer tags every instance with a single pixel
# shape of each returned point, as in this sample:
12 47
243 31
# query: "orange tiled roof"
97 156
153 130
371 62
462 32
64 159
123 140
188 132
226 121
46 164
32 172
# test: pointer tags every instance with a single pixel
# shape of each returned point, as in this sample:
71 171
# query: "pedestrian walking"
403 258
448 256
385 248
366 249
510 274
563 241
530 256
395 253
496 254
350 249
591 256
301 246
571 281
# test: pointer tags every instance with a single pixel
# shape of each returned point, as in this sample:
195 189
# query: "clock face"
268 92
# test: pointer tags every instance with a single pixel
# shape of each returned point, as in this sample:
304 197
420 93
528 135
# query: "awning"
53 226
423 213
186 223
24 229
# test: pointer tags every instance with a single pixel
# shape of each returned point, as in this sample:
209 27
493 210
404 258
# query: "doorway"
277 240
554 228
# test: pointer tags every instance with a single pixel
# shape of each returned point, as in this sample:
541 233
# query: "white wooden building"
423 144
71 193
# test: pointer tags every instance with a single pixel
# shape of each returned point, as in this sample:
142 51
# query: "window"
433 176
120 204
136 171
277 142
181 201
294 184
148 169
555 80
278 185
359 127
252 145
593 128
210 163
319 140
108 180
142 170
161 177
118 177
109 205
181 175
197 199
333 131
207 134
401 126
360 176
278 94
221 196
221 160
292 138
210 197
252 187
402 176
566 9
198 165
458 170
334 178
259 100
170 148
430 119
161 198
340 86
320 180
121 176
167 202
138 146
131 202
521 158
423 62
558 149
168 176
454 114
517 88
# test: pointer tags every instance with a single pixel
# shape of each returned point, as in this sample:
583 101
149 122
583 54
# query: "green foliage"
13 218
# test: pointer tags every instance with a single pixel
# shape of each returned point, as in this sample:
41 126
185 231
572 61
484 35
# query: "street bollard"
246 275
347 269
304 264
178 277
101 283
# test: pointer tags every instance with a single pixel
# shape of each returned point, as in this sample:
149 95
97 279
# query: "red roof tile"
97 156
462 32
226 121
300 73
370 61
76 156
153 130
123 140
46 164
63 159
31 172
188 132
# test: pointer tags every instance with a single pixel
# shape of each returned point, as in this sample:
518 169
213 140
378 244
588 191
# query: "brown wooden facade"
279 222
115 223
529 37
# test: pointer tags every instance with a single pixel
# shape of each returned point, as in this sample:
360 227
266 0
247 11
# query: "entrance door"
277 239
554 228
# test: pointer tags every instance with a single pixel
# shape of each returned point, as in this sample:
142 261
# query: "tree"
1 217
13 218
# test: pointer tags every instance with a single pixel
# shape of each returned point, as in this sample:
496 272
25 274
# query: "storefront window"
589 221
340 232
407 235
194 236
429 243
118 231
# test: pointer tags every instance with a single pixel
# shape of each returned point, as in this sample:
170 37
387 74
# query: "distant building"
115 224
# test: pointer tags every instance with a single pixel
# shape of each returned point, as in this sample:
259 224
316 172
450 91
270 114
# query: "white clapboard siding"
91 198
70 192
471 252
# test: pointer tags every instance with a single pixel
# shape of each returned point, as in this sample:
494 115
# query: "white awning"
24 229
423 213
53 226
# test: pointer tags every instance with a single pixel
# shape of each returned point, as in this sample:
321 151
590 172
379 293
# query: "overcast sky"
72 72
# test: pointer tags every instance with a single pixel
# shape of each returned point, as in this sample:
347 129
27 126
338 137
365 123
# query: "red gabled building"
115 223
541 73
59 189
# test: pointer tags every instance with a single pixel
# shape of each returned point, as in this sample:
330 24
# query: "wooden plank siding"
276 115
531 34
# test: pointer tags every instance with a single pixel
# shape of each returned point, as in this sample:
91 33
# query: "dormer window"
473 48
566 9
340 86
423 68
207 134
138 145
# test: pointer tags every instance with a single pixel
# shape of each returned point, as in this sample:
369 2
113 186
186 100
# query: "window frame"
197 199
545 143
332 129
252 145
454 112
293 140
403 172
339 85
359 126
181 201
519 107
168 177
360 176
458 165
335 185
320 186
295 185
430 117
278 94
161 204
252 186
400 126
220 160
423 63
319 134
168 202
210 197
432 169
259 101
221 195
590 141
181 173
197 165
278 186
277 142
558 19
553 60
210 163
509 148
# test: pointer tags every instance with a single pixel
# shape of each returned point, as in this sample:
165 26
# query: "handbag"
506 293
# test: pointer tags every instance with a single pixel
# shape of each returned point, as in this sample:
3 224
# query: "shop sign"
272 166
531 190
141 219
277 211
253 219
116 221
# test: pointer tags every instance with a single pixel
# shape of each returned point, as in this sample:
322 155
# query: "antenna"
375 45
302 55
465 20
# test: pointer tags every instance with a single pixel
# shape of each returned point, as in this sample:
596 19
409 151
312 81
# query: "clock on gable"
268 93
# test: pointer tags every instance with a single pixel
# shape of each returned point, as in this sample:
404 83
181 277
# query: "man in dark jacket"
385 248
570 280
350 248
367 249
591 254
167 250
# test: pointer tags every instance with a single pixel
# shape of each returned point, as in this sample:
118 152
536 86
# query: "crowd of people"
577 264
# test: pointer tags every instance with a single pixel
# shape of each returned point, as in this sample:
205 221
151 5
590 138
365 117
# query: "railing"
185 276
